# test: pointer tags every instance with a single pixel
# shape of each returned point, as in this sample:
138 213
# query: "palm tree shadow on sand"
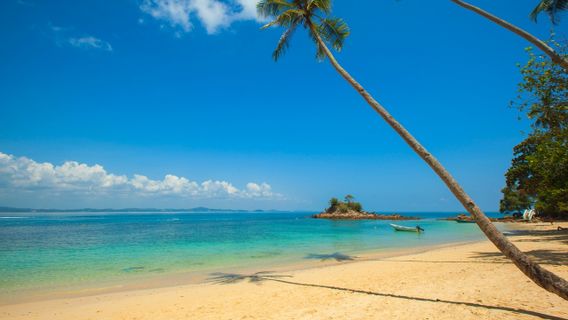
257 277
543 235
550 257
337 256
263 276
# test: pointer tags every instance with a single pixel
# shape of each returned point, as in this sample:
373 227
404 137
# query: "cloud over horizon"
26 175
214 15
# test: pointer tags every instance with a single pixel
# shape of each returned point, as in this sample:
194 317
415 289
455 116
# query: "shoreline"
187 278
470 280
196 277
387 243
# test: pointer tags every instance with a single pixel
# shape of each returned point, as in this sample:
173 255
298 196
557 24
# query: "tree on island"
538 176
313 15
333 202
335 205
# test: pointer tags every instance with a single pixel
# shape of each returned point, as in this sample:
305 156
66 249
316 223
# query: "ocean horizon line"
6 209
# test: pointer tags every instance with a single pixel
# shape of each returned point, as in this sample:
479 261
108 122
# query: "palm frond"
320 52
286 18
312 15
551 7
284 42
322 5
334 31
272 8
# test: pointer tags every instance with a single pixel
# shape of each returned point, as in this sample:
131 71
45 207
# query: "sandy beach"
467 281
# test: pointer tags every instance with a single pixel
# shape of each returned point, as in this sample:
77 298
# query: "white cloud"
248 10
65 37
24 174
258 190
175 12
219 187
90 42
214 15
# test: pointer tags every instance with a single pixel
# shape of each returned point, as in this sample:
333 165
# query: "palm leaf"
551 7
334 31
284 42
312 15
270 8
323 5
320 52
286 18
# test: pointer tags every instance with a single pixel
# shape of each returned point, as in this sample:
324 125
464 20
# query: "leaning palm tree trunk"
520 32
534 271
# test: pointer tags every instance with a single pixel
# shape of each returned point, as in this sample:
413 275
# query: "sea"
39 251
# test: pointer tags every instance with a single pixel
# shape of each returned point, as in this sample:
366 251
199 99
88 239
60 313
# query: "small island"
352 210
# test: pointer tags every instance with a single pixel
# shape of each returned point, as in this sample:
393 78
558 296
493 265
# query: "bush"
333 202
356 206
343 207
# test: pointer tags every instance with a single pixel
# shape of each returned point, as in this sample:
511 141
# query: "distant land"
197 209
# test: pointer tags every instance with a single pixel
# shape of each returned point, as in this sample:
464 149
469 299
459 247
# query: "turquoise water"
49 250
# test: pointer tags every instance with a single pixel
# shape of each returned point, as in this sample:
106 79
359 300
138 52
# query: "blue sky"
188 89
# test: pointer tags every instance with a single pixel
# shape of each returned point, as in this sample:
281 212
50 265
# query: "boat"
403 228
464 221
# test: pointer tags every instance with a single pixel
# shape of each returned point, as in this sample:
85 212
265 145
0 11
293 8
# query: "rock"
360 215
465 217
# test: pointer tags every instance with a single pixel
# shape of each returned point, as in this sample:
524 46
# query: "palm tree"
313 15
551 7
349 198
557 58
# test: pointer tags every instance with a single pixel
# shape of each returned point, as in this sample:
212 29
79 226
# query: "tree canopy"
349 205
538 176
313 15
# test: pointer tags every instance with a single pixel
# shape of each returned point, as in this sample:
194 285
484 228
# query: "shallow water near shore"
41 251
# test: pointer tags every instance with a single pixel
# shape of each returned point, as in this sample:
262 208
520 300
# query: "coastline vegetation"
538 176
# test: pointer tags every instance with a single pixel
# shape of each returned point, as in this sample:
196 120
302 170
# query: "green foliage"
334 31
310 14
333 202
514 200
538 175
551 7
348 205
543 92
549 164
355 206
